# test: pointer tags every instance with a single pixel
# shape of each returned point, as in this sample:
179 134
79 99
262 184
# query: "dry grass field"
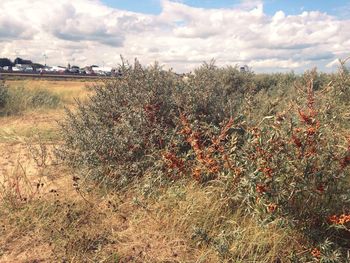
67 90
41 122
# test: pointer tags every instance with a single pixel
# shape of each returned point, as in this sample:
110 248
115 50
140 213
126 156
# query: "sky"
268 36
290 7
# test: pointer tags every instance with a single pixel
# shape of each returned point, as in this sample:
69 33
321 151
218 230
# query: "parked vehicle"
74 70
28 69
16 69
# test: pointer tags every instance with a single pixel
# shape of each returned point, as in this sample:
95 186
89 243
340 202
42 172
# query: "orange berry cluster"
306 142
260 188
316 253
271 208
204 158
173 161
339 220
151 111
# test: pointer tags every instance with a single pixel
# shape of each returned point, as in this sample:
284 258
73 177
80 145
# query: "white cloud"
88 32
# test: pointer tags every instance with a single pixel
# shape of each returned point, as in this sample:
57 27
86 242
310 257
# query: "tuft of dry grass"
196 224
125 227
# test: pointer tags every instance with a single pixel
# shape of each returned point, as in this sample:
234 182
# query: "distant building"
58 69
244 68
103 71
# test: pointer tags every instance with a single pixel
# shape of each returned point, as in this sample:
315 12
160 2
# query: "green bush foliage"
295 169
124 128
117 134
278 145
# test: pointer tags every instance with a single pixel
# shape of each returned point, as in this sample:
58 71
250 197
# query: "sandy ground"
18 168
24 167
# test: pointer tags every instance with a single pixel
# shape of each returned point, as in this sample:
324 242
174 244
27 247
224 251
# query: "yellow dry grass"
42 122
38 123
118 228
66 90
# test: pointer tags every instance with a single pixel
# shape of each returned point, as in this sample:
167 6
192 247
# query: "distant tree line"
7 62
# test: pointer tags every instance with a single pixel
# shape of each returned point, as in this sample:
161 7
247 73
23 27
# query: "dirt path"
25 164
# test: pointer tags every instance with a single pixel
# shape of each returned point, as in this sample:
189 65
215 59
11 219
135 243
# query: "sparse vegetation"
19 99
220 166
3 94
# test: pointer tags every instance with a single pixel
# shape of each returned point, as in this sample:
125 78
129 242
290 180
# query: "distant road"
4 74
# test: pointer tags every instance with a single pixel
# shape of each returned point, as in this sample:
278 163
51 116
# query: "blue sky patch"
340 8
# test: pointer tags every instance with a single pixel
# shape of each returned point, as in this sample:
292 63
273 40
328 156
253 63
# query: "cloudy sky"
269 35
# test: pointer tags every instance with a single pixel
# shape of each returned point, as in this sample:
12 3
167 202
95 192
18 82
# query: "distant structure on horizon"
21 65
244 68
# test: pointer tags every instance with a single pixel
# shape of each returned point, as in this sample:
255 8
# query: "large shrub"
118 133
294 158
276 144
126 125
291 167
